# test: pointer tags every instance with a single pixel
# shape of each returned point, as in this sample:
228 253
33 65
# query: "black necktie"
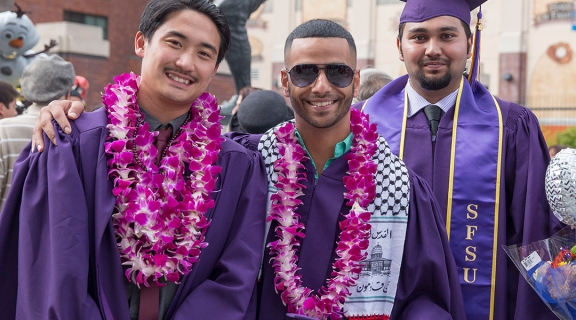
433 113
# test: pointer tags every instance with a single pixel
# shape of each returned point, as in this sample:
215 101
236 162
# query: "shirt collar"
156 125
340 149
416 102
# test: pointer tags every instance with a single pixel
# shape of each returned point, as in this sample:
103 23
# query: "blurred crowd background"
526 54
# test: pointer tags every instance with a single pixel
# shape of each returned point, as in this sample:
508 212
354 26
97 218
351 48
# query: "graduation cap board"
422 10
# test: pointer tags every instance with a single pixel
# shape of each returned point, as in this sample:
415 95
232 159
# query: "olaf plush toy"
17 36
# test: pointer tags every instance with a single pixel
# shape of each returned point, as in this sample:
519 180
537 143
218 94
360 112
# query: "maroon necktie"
149 302
162 138
150 296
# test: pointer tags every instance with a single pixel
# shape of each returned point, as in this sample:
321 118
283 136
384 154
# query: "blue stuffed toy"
17 36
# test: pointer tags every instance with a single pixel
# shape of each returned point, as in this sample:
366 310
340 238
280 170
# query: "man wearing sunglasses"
363 231
323 168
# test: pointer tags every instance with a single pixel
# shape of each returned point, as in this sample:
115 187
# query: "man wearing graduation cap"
485 158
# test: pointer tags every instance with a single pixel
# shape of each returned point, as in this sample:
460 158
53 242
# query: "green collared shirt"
341 148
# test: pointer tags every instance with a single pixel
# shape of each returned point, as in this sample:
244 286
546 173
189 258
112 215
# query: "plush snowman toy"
17 36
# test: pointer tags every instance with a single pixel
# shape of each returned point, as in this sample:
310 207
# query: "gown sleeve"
45 236
428 287
530 217
527 158
247 140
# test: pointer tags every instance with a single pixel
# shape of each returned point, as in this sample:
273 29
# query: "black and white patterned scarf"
376 287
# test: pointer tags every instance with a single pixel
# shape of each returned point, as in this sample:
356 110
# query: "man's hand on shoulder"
59 110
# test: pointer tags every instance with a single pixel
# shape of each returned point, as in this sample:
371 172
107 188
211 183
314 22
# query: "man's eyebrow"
209 46
176 34
180 35
448 28
441 29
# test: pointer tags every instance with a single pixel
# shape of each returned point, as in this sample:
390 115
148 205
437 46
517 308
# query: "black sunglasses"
303 75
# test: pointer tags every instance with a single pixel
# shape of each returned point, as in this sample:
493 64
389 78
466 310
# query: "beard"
429 83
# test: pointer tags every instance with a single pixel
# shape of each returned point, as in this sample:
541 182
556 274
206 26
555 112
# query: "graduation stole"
474 183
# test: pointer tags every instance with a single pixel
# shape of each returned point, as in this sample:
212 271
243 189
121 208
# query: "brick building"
97 37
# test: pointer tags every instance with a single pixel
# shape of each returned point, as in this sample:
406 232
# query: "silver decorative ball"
561 186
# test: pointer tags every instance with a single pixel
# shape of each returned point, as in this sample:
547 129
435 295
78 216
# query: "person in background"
243 93
142 211
8 97
45 79
371 80
261 111
485 158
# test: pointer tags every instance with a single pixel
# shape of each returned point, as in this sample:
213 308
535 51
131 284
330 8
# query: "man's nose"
322 84
433 48
186 61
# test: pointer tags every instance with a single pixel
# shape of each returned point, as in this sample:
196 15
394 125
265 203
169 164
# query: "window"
254 74
89 20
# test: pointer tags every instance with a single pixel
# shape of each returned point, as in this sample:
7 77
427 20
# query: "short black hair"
7 93
156 11
464 25
319 28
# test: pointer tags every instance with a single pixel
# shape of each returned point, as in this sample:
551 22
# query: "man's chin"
435 83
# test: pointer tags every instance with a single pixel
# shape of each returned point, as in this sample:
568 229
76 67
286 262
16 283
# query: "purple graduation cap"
422 10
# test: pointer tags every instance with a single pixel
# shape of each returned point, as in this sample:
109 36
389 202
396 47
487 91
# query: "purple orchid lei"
159 214
355 228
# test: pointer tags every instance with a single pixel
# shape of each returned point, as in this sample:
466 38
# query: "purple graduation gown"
58 248
527 216
428 287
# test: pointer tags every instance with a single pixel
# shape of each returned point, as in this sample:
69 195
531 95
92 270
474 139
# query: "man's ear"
356 82
139 44
399 45
3 110
284 79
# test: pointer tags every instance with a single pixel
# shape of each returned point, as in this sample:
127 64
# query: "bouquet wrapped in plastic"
549 265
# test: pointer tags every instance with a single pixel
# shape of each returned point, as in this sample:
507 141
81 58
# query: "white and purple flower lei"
159 214
355 228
